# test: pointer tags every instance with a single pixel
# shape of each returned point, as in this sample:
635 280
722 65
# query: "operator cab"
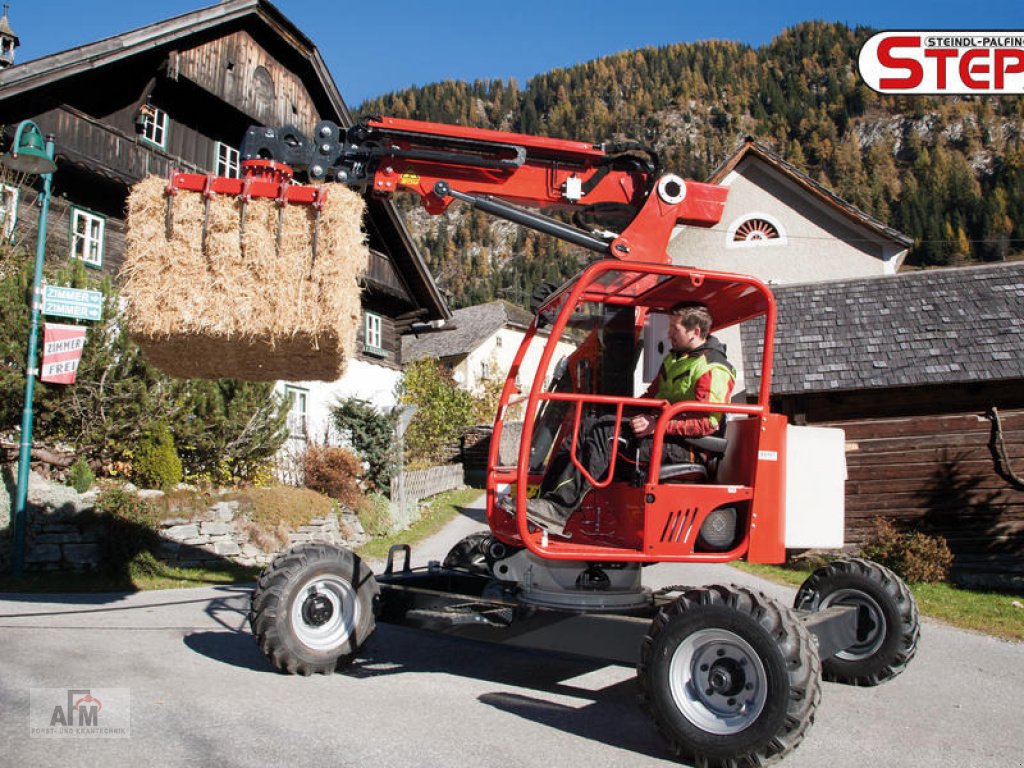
592 363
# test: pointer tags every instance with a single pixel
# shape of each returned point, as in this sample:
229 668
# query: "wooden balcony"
84 140
381 273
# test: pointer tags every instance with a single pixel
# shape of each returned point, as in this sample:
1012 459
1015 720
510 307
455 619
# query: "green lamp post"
30 153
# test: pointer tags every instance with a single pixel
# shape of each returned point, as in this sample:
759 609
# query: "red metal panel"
675 514
768 520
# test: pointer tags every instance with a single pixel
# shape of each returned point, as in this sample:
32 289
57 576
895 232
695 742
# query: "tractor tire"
470 554
730 676
888 624
313 608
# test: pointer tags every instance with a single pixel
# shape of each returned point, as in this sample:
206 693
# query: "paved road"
201 694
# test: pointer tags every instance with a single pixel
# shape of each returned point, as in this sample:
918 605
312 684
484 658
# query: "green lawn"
994 613
443 508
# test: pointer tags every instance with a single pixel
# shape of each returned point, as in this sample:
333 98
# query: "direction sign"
72 302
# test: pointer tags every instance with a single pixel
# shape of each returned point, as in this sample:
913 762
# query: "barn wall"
936 474
238 70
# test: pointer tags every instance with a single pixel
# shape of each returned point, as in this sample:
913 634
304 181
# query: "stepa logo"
942 62
80 713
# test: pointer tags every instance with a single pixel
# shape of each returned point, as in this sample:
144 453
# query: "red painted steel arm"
503 174
545 173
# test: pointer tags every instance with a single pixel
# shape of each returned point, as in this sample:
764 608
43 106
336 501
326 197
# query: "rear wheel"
470 554
888 625
730 676
313 609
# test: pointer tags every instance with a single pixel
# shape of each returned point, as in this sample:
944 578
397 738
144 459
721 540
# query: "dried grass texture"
240 308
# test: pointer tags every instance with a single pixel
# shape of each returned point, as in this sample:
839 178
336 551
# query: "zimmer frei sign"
62 351
943 62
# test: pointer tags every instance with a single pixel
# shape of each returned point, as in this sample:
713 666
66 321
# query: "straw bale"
239 306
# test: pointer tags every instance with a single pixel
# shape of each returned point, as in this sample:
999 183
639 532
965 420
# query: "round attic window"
753 230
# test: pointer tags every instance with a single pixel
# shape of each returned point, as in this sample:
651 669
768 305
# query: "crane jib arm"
623 205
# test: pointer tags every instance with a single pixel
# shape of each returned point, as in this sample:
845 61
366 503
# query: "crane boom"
618 187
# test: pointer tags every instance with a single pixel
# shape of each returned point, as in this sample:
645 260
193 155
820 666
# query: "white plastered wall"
373 383
817 242
496 353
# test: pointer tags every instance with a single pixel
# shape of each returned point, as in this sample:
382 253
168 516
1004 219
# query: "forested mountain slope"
948 171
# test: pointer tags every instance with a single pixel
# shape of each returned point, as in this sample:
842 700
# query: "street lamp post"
30 154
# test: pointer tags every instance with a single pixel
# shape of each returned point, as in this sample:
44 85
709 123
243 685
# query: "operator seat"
694 472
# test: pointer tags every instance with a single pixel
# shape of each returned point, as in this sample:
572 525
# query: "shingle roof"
942 326
754 148
473 325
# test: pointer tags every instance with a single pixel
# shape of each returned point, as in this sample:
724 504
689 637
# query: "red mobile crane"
730 676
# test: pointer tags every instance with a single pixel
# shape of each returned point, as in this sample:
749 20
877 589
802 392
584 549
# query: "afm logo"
944 62
82 703
89 713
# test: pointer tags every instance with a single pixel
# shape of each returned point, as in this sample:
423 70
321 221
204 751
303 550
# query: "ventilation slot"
679 525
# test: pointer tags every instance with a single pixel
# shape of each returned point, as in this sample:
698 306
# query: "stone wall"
6 504
221 533
476 446
62 533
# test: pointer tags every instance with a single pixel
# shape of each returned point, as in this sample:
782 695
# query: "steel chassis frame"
456 602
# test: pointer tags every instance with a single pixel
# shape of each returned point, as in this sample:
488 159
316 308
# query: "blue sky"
373 48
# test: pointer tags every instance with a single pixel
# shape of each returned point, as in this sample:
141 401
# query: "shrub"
145 565
129 528
375 515
183 502
371 434
156 463
231 430
916 557
443 411
80 476
279 505
334 472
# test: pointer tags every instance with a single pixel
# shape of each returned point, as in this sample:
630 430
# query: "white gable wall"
818 243
362 379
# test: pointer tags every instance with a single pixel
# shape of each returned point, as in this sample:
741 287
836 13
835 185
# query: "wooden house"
911 366
180 94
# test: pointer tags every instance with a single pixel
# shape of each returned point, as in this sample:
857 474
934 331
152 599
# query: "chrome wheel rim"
718 681
324 612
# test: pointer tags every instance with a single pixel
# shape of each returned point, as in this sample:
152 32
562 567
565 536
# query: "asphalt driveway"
201 693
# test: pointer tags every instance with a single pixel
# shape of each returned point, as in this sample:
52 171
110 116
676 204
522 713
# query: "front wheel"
730 676
313 609
888 625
